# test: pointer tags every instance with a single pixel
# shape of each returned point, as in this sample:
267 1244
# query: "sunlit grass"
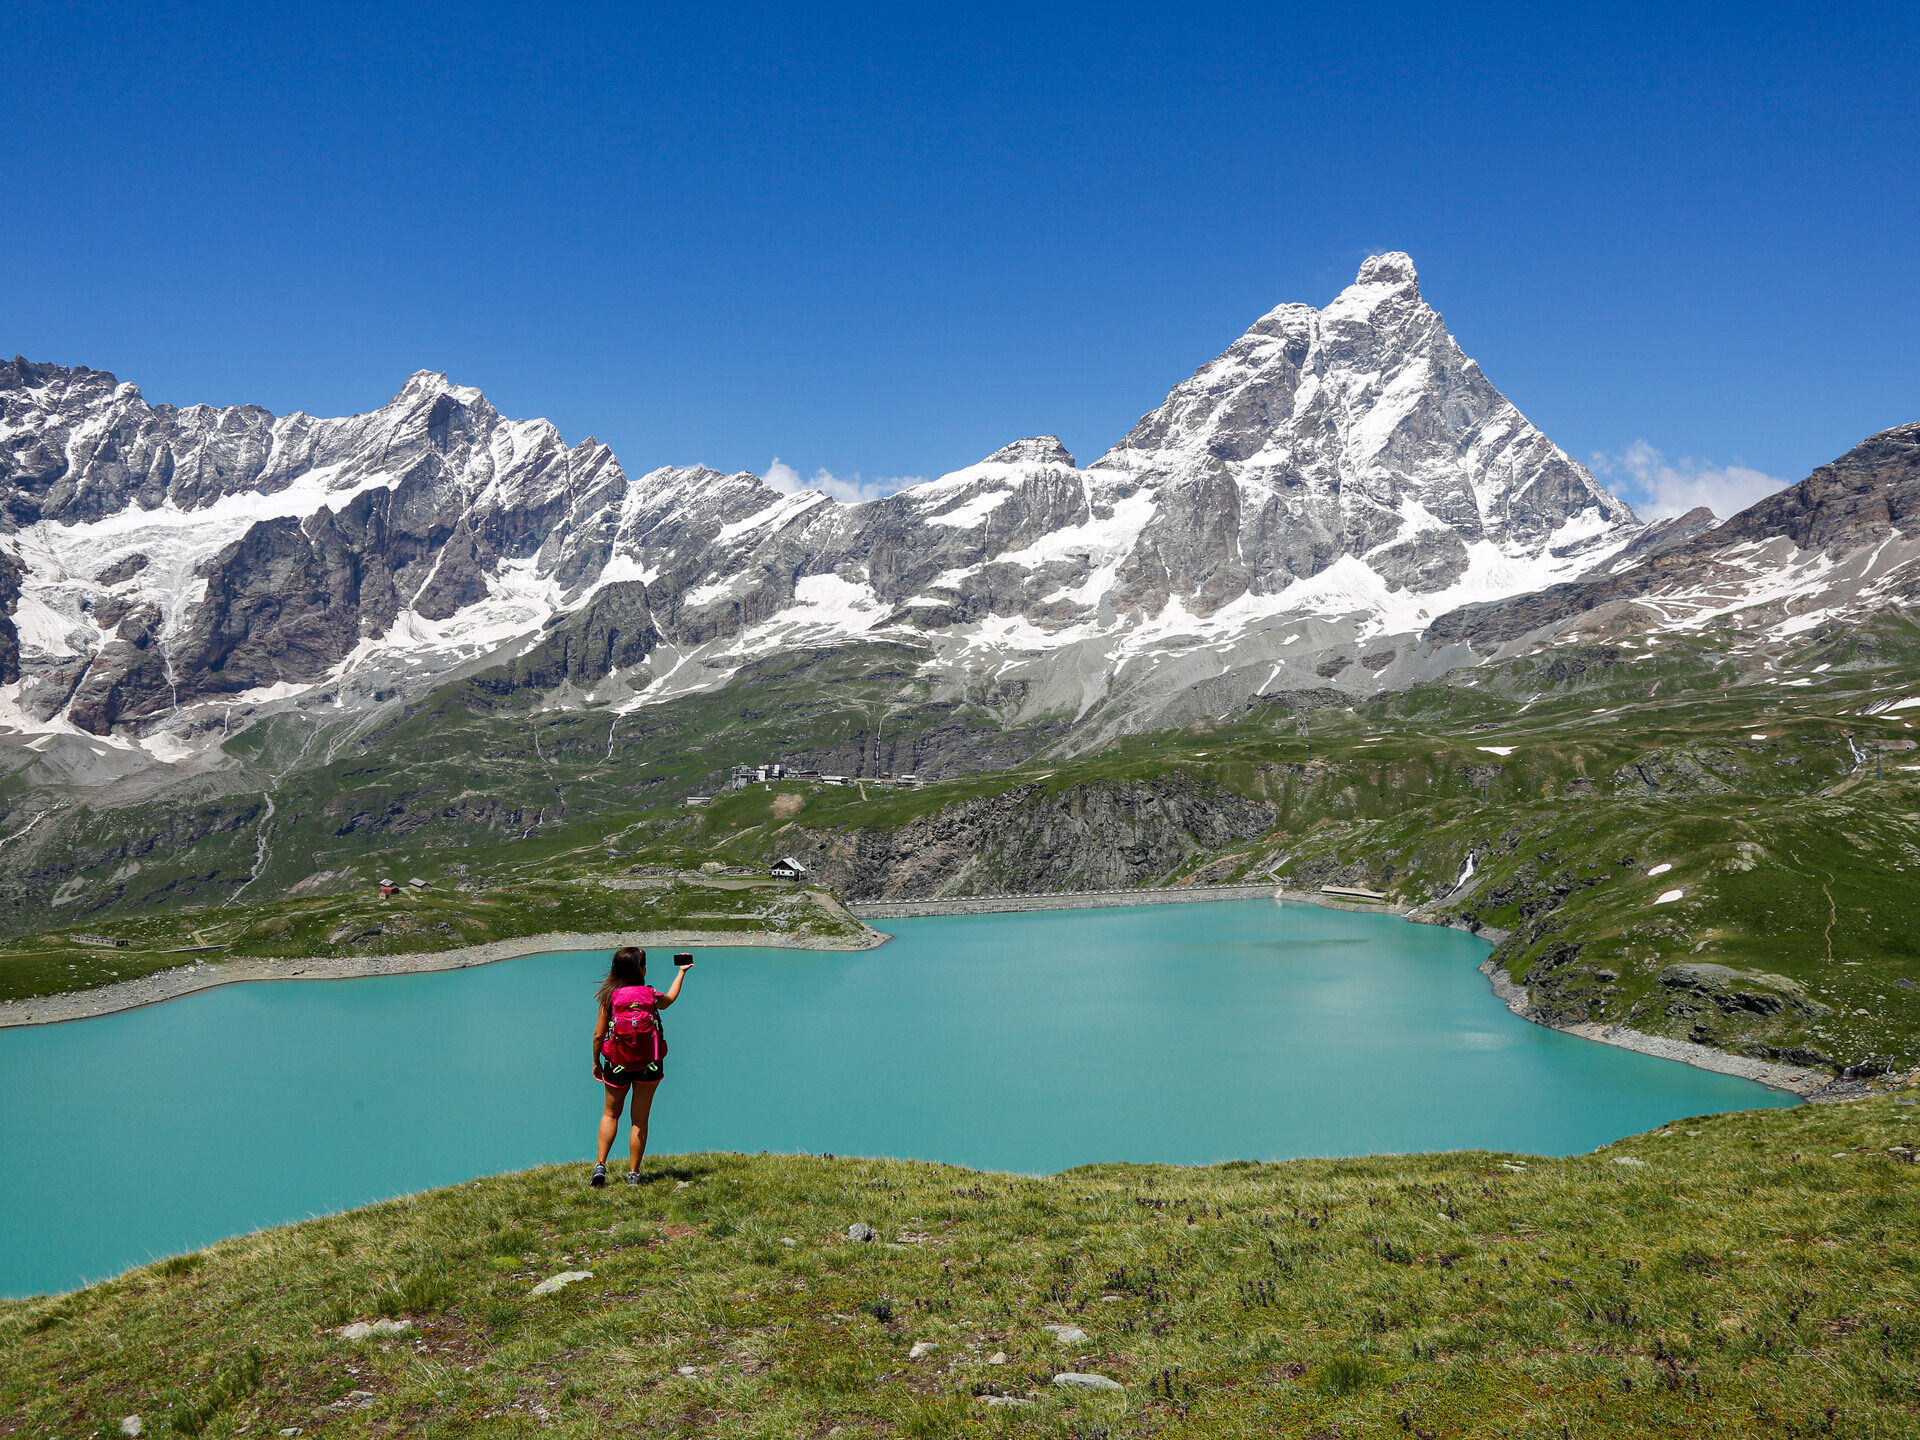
1756 1275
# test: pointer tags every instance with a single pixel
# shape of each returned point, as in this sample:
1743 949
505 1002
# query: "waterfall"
1466 874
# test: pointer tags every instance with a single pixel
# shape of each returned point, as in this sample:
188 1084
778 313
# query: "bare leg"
610 1123
642 1108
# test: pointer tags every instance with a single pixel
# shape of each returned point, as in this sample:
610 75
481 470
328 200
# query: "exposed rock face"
612 631
12 572
1863 497
1721 1006
1340 462
1688 770
1735 992
1106 836
1657 538
269 549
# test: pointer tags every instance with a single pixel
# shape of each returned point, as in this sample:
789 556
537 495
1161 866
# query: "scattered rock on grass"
998 1357
1071 1381
920 1347
1066 1334
862 1232
1627 1160
561 1281
999 1400
360 1329
131 1425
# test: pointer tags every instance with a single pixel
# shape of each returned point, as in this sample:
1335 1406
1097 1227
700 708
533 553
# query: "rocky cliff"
1109 835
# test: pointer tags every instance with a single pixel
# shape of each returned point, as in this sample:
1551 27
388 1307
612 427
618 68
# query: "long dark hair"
629 968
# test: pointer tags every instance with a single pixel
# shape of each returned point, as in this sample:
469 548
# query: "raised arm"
673 990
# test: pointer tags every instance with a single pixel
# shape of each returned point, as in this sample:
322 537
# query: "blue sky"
883 241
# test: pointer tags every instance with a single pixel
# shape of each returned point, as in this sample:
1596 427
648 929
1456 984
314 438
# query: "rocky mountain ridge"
1841 545
1336 476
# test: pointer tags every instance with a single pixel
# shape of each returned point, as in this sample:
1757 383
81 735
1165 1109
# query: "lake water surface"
1031 1042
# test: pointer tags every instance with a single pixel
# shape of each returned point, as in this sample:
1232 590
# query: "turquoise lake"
1031 1042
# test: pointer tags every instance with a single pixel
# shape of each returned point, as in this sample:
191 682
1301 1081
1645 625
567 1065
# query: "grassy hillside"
1788 819
467 776
1772 777
1750 1274
570 899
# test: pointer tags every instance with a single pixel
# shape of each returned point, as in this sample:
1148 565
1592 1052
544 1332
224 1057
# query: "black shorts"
615 1077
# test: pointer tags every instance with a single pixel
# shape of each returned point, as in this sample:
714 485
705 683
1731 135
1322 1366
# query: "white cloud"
1657 489
851 491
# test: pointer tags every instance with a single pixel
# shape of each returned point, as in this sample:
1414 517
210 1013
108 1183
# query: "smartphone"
683 959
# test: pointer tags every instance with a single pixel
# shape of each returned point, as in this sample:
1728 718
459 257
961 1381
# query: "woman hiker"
628 1048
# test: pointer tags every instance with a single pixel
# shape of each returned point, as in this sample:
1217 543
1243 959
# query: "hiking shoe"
633 1178
599 1175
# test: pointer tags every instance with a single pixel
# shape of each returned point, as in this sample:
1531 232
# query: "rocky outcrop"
1863 497
12 572
1108 835
1717 1005
1686 770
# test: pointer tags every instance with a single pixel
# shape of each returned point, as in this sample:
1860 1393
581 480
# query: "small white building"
787 869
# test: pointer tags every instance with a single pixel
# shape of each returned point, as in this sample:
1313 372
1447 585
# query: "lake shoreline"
866 910
165 985
1796 1079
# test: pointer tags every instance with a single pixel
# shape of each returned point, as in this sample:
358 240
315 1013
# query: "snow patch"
969 514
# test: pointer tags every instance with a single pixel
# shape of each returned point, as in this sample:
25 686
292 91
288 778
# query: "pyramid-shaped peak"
432 384
1393 268
1034 450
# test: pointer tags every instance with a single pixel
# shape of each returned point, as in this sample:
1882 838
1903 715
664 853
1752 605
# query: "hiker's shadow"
687 1170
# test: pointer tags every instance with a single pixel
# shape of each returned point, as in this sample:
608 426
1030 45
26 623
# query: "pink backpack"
634 1037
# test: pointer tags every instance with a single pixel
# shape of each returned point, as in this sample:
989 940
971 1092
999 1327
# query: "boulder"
361 1329
1071 1381
560 1281
862 1232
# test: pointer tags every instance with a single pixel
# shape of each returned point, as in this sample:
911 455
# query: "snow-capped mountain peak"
1333 473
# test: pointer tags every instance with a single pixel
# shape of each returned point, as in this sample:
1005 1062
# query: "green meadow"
1752 1274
